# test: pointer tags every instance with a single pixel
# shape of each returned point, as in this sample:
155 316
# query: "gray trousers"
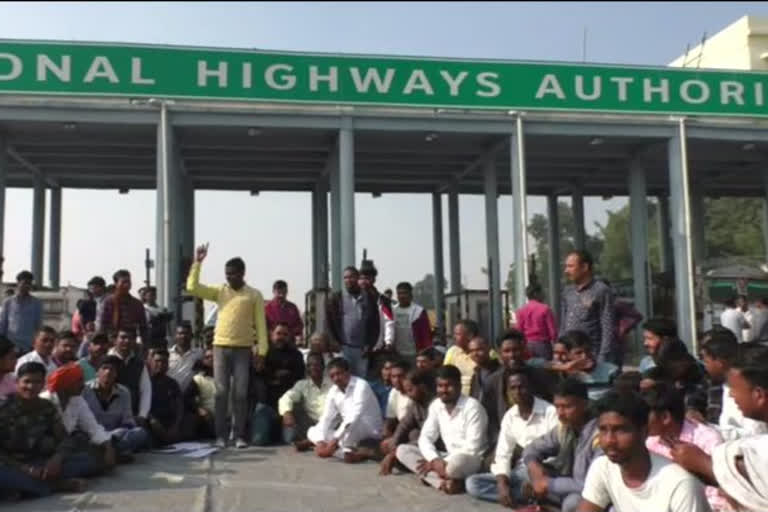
458 466
231 362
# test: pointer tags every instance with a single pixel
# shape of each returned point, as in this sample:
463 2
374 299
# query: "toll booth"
315 303
475 305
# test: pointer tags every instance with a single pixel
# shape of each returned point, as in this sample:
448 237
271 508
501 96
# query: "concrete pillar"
347 193
667 262
3 178
765 212
638 205
169 233
320 235
680 208
437 244
492 248
697 226
454 242
336 266
38 229
54 246
189 218
519 211
553 243
577 202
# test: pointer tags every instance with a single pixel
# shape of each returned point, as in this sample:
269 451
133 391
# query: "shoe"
240 443
221 443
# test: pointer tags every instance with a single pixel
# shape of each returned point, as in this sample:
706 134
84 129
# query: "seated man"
382 386
419 386
573 443
688 376
461 422
65 386
480 352
183 358
597 375
528 419
97 351
561 353
7 366
134 375
200 400
655 331
110 404
167 408
320 343
428 359
284 365
42 350
65 350
35 449
398 402
666 420
352 401
627 476
302 405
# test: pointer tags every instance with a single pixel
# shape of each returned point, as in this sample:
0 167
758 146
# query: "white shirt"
356 403
145 387
733 425
34 357
516 430
733 319
181 366
404 343
78 415
668 488
397 405
463 431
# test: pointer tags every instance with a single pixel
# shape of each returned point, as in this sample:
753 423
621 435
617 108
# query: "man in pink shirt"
282 311
537 323
667 424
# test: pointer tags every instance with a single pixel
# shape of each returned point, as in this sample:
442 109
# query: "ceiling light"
122 190
431 137
253 132
749 146
376 194
254 192
70 126
596 141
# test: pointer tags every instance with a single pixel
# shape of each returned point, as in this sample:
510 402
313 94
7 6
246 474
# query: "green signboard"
93 69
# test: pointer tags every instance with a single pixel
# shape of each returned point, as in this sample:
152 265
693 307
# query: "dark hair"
571 386
25 275
576 339
97 281
351 268
720 344
661 398
584 257
730 302
628 381
519 371
429 352
30 368
66 335
564 342
6 346
186 324
752 362
449 372
511 334
340 363
533 290
470 326
628 405
421 378
367 268
319 357
120 274
405 286
100 339
46 329
672 350
403 365
160 351
237 264
280 324
661 327
280 285
148 289
113 361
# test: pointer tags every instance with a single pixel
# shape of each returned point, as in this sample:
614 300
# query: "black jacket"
371 322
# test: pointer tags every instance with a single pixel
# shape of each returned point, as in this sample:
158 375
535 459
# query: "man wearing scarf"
121 311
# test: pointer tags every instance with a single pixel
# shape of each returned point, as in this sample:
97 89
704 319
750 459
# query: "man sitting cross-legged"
528 419
351 399
461 422
302 405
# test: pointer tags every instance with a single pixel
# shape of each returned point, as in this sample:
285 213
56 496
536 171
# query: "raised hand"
201 253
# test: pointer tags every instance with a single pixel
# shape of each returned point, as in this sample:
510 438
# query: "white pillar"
519 211
38 229
168 230
492 248
680 208
54 246
347 193
336 266
437 248
454 241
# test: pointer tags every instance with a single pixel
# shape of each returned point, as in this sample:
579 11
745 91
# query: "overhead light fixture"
431 137
254 192
596 141
70 126
123 190
749 146
376 194
253 131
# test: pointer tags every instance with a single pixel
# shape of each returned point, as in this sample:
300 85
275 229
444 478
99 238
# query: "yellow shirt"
461 360
306 393
240 317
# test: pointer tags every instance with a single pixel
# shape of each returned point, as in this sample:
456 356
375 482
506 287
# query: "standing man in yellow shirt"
240 337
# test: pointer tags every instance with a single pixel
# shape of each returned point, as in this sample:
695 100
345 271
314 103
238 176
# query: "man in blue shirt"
21 315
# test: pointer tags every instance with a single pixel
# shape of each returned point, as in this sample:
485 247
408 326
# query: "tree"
733 227
424 291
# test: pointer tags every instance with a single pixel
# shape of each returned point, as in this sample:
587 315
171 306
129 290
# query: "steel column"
638 205
347 192
577 206
665 232
3 178
54 245
38 229
336 266
168 234
454 241
519 210
492 248
437 244
553 242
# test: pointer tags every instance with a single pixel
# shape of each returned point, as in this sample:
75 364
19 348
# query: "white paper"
202 452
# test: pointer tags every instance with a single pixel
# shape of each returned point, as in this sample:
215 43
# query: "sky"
103 230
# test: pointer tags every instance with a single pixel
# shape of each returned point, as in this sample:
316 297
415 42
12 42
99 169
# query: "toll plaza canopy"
176 119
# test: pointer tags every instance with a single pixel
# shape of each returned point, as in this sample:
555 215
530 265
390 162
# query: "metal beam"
35 170
488 155
347 193
47 114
